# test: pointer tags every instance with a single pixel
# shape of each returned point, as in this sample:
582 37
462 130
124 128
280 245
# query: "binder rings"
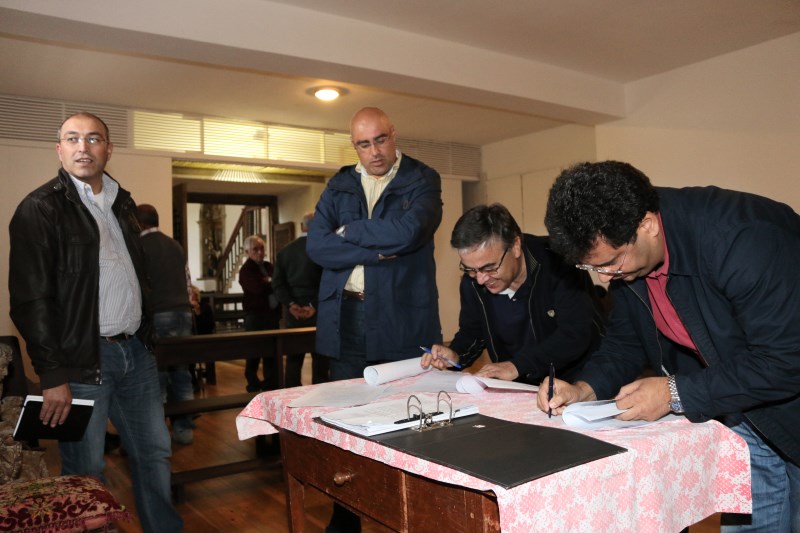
29 427
396 415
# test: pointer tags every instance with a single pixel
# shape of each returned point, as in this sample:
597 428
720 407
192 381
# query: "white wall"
447 273
518 172
732 121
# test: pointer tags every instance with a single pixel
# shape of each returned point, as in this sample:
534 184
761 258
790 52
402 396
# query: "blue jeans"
176 382
129 395
776 487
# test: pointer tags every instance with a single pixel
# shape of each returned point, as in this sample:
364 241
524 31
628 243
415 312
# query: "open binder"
395 415
501 452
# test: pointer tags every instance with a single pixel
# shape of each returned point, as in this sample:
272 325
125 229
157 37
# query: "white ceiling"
468 71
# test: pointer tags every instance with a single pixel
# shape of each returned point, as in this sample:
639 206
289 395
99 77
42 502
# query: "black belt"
352 295
118 337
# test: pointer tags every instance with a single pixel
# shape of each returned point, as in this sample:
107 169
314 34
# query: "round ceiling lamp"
327 93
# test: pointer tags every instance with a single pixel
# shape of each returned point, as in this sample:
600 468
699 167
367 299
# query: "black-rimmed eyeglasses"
490 269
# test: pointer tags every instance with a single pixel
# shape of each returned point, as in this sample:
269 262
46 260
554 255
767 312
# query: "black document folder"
501 452
30 427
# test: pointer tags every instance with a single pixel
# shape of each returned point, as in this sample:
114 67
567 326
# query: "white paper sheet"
446 380
478 385
338 394
599 415
392 415
379 374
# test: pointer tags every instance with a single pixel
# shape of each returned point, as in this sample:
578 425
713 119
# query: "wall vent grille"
34 119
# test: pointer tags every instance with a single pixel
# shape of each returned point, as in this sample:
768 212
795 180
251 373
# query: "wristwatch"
675 404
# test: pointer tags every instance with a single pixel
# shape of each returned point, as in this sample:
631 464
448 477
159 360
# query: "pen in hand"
550 389
447 361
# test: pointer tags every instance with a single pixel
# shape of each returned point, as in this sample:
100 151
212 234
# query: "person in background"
706 294
79 298
296 285
168 274
261 311
519 301
204 323
372 234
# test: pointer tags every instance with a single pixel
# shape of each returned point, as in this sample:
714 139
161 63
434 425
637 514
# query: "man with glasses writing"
519 301
706 295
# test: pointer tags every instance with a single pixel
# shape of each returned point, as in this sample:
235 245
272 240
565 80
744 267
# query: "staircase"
232 257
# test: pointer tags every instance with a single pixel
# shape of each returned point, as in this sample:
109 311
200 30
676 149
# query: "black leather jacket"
54 278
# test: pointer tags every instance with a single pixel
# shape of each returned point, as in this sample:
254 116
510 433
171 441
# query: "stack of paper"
392 415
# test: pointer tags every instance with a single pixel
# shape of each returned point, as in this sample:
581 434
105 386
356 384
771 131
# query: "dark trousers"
270 381
294 362
351 364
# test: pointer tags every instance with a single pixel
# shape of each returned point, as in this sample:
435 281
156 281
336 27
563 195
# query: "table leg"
295 503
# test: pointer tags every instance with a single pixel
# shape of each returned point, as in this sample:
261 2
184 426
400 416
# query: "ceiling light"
327 93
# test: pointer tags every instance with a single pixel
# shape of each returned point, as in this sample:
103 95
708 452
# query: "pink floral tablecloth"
673 475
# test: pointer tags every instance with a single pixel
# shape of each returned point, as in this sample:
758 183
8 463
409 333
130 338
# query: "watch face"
676 407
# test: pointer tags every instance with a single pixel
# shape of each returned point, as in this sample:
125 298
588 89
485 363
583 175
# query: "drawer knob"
340 478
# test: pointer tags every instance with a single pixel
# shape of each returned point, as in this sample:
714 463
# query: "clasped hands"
302 312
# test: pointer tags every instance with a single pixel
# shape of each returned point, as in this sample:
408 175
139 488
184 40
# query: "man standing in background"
261 311
372 234
165 265
296 285
78 297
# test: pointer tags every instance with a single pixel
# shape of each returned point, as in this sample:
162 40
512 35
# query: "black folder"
30 427
501 452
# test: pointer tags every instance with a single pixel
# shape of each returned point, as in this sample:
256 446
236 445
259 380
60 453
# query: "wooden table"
172 351
673 475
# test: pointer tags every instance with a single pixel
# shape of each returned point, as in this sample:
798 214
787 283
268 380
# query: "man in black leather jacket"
76 285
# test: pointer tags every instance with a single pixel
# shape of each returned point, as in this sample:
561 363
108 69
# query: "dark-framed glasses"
615 273
489 269
74 140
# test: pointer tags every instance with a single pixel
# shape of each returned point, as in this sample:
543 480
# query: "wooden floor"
247 502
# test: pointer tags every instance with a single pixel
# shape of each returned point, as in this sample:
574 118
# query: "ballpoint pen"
447 361
550 389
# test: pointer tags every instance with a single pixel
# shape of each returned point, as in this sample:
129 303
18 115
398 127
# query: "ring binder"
383 417
426 422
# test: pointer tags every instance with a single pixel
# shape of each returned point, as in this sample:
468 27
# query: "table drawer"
364 484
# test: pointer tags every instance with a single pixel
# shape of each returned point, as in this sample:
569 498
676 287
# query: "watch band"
675 404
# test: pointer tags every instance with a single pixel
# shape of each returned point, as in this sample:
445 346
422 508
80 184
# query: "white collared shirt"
120 297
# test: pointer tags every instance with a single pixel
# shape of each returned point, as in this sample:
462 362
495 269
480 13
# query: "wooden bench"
172 351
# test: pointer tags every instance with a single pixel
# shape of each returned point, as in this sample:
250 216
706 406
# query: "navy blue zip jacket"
564 317
402 302
733 279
